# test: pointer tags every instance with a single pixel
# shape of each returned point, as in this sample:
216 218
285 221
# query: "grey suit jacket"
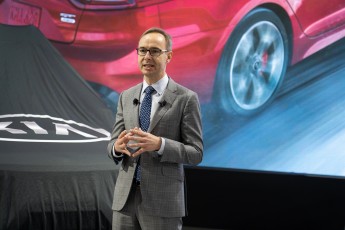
162 177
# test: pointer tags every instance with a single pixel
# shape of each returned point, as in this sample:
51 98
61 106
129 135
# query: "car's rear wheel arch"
285 19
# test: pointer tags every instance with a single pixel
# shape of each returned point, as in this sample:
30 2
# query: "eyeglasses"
154 52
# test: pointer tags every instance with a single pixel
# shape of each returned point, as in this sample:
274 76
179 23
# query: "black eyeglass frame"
150 50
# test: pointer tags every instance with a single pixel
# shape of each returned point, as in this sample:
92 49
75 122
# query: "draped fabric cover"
54 170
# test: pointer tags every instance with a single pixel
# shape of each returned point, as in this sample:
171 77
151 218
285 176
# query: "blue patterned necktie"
145 110
144 121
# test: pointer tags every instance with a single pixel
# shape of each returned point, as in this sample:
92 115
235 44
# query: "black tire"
253 64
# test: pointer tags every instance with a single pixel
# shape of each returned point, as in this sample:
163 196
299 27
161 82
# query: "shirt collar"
159 86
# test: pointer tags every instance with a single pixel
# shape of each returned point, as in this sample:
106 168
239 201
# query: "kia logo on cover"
45 128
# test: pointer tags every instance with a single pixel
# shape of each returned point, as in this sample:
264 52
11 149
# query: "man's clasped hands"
135 141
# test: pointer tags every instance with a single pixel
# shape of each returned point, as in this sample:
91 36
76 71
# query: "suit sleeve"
118 127
189 148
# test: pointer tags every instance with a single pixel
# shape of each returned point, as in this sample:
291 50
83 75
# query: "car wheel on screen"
253 64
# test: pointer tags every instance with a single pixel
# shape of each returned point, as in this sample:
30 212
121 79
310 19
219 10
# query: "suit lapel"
134 115
169 97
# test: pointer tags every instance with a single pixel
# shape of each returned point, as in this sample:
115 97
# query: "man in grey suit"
157 130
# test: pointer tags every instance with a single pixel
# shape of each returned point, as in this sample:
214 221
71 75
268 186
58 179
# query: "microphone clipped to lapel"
162 103
136 101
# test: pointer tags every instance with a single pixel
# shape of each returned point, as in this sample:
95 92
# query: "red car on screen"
234 52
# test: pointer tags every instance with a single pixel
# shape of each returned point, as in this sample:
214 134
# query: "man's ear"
169 56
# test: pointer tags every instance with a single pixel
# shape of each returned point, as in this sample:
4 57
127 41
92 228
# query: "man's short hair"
167 36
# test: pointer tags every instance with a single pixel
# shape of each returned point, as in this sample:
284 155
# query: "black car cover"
54 129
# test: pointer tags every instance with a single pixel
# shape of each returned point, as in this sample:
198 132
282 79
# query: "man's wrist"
159 144
162 145
115 153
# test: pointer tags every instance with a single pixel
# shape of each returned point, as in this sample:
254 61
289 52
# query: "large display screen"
269 75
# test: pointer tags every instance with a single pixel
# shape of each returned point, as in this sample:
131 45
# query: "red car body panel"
316 18
43 14
99 40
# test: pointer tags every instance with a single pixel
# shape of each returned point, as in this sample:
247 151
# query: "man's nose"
148 55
